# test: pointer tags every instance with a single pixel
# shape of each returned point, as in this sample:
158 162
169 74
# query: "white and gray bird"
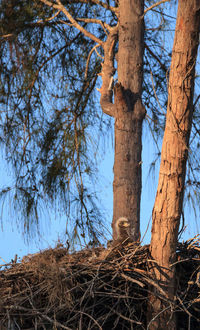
122 230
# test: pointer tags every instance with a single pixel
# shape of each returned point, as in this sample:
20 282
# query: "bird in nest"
122 230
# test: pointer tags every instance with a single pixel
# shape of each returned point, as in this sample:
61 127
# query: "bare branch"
50 18
107 73
98 54
66 23
59 6
155 5
96 21
128 278
88 60
50 4
7 35
108 69
102 4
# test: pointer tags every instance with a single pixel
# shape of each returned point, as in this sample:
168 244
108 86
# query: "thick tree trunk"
129 115
169 198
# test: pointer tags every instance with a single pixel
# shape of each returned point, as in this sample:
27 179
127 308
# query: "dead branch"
49 19
107 73
100 3
155 5
88 60
94 288
96 21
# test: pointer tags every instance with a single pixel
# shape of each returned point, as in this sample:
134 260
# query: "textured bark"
169 198
129 115
128 112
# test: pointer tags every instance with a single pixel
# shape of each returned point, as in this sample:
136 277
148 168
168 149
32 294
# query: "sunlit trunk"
169 199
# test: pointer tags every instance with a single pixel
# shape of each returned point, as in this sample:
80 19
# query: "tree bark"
129 114
169 199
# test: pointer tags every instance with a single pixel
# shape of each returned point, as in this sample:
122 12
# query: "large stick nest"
94 289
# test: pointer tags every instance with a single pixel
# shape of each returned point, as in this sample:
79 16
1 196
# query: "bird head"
123 223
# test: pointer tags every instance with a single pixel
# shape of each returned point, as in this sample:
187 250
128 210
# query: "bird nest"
94 289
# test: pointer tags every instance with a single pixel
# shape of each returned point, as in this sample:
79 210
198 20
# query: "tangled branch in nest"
93 289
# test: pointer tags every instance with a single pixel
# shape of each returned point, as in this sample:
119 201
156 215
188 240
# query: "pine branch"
156 57
59 6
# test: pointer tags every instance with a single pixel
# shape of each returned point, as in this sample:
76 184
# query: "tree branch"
7 35
107 73
59 6
100 3
46 61
155 5
108 69
96 21
50 18
88 60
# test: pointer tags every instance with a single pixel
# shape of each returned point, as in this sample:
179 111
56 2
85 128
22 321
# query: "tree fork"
169 199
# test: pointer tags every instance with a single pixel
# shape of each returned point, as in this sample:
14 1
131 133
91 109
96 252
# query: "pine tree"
69 44
47 130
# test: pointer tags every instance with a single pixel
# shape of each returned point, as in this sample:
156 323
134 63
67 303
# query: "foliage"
46 129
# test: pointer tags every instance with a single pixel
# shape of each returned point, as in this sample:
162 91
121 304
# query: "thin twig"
128 278
156 316
96 21
88 60
155 5
50 18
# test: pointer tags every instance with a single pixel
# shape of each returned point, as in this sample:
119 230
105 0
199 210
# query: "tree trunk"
169 199
129 114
